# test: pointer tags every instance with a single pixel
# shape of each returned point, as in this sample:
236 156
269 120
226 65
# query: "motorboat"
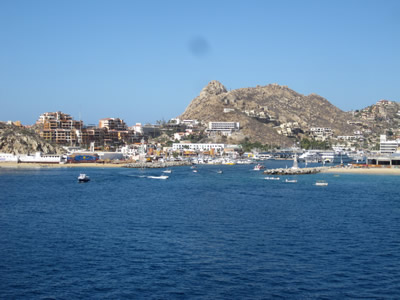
272 178
321 183
258 167
158 177
291 180
194 171
219 172
83 178
168 171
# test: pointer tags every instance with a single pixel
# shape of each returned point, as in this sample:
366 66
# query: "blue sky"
144 61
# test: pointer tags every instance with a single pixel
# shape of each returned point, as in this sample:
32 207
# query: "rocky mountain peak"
213 88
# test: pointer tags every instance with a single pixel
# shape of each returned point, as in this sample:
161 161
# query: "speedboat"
219 171
167 171
321 183
291 180
194 171
258 167
272 178
158 177
83 178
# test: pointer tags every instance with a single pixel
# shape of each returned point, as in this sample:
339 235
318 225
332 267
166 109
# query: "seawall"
300 171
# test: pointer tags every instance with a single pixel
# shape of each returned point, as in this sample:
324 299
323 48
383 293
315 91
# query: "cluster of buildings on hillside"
113 134
62 129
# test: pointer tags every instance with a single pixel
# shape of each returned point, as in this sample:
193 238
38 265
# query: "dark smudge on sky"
199 46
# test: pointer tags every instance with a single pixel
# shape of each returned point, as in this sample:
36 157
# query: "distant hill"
263 110
381 118
19 140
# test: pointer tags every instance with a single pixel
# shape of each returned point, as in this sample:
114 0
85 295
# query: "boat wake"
158 177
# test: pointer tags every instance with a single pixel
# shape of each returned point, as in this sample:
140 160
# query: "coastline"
148 165
14 165
365 171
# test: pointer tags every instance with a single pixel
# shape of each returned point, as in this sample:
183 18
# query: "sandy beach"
367 171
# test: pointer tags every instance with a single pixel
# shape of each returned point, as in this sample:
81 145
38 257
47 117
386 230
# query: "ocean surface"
197 235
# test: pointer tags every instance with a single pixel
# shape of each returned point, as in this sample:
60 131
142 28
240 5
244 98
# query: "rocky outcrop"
18 140
263 110
213 88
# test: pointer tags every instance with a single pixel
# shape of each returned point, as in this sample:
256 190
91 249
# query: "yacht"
311 156
333 157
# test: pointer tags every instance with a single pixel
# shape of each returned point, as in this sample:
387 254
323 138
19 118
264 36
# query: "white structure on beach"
38 157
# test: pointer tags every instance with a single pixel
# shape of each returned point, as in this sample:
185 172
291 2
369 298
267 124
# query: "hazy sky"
144 61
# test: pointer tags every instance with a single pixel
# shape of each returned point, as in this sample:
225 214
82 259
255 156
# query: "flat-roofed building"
388 147
224 128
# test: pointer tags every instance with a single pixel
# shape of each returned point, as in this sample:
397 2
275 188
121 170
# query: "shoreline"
148 165
14 165
332 170
364 171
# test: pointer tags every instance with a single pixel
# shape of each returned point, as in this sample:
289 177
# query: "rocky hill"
380 118
266 112
19 140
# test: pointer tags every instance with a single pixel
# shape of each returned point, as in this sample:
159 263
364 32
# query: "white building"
321 132
225 128
190 122
8 157
38 157
388 146
137 128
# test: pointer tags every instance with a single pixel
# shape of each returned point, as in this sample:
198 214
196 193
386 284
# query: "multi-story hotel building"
59 127
224 128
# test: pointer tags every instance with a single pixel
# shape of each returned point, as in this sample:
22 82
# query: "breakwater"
151 165
300 171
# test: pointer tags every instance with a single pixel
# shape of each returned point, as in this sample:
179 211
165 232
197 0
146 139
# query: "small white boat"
219 172
167 171
291 180
83 178
272 178
258 167
194 171
321 183
158 177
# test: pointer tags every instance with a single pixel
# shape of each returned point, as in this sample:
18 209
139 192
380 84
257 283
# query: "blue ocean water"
197 235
